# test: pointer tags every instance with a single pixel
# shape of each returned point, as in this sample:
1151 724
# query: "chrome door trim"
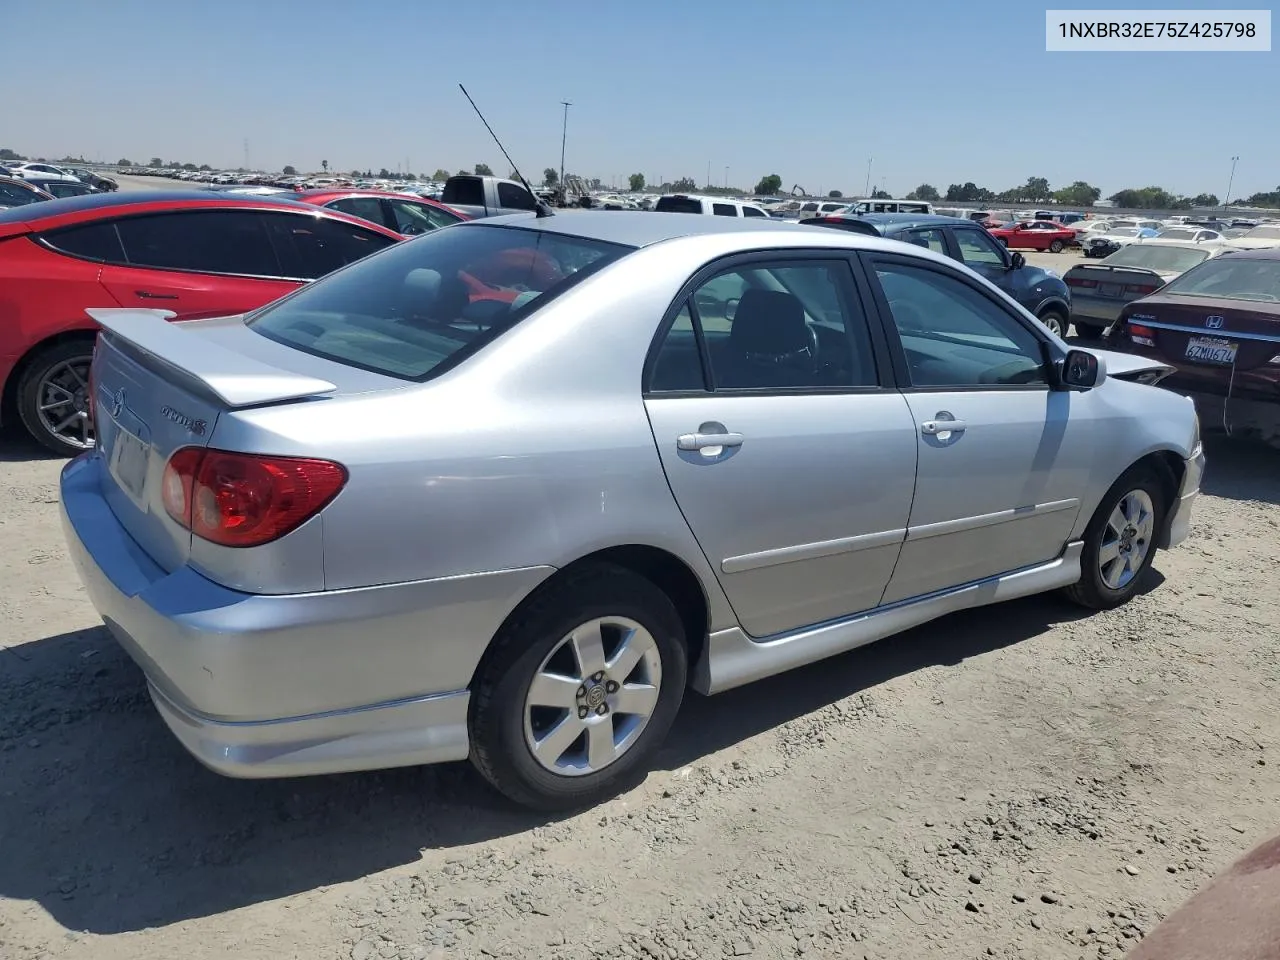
811 551
733 658
961 524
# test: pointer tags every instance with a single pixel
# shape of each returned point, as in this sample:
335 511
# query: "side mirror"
1081 370
1017 261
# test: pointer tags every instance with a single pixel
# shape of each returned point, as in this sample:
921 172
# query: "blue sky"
934 90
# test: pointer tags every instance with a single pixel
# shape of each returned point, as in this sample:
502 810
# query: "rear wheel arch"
660 567
9 390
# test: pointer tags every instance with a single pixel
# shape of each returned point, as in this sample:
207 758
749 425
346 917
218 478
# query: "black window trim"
889 330
856 289
43 239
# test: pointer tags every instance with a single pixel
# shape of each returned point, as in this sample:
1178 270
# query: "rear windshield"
1232 278
678 205
1168 259
424 305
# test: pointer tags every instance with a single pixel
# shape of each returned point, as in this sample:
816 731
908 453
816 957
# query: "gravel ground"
1022 781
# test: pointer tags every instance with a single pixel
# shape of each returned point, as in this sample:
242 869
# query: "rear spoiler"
236 380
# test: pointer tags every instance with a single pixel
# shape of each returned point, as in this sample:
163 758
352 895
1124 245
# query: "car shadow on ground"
16 446
110 826
1241 469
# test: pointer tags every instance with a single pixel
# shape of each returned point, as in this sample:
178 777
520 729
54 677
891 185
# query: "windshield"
423 306
1232 278
1177 234
1123 232
1162 259
1263 233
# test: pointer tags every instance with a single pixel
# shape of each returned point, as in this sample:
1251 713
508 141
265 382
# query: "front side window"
724 210
978 247
311 246
514 197
789 325
415 218
753 212
954 336
11 195
427 304
366 208
203 241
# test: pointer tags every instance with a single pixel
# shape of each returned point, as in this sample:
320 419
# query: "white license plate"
129 462
1108 289
1211 350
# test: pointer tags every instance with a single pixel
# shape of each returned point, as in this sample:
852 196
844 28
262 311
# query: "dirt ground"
1021 781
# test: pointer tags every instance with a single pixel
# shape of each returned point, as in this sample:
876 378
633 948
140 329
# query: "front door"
792 465
1002 463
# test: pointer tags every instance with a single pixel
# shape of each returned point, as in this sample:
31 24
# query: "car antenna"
542 208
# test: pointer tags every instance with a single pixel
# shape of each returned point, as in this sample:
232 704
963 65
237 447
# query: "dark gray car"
1043 293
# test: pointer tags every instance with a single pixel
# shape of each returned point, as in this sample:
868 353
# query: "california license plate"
1108 289
1211 350
129 456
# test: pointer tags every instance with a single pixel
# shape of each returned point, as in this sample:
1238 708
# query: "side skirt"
733 658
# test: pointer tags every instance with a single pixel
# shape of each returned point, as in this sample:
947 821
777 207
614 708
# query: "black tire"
1055 317
1055 246
27 395
1090 590
498 746
1090 331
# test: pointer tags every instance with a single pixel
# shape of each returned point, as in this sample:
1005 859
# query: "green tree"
878 194
190 166
769 185
1269 199
7 154
290 170
156 162
124 162
835 194
1204 200
204 166
637 182
440 174
484 170
1079 194
968 192
324 165
685 184
926 191
549 177
1036 189
1149 198
385 174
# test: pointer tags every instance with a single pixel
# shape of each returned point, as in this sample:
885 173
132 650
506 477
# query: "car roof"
1262 253
641 228
890 222
114 200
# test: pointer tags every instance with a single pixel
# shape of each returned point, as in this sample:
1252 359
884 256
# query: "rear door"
197 263
1002 460
792 461
373 209
308 246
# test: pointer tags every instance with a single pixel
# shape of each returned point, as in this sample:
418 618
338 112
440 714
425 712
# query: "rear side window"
678 205
514 197
203 241
309 247
366 208
426 305
724 210
93 241
12 195
753 212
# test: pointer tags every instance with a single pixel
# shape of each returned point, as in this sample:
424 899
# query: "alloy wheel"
593 696
63 403
1126 539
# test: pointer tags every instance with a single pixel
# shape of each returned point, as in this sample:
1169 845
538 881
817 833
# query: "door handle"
700 441
934 427
148 295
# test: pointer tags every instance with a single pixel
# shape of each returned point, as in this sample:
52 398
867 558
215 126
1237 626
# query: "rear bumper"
1096 311
1180 515
259 686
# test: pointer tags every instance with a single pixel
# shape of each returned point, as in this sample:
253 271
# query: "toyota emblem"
117 402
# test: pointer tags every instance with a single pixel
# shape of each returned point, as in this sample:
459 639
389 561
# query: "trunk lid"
1219 345
159 386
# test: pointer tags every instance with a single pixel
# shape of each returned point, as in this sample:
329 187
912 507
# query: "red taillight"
1081 282
245 500
1140 330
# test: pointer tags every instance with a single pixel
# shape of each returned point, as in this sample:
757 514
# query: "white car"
43 171
1260 237
1188 234
716 206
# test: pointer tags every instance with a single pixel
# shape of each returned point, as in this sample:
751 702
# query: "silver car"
506 490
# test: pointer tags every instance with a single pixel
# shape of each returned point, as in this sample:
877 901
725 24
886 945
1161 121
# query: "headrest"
769 322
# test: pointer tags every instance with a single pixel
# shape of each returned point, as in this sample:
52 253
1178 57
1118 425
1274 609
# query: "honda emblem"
1214 323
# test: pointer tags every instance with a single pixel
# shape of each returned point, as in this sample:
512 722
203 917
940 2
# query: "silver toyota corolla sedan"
503 492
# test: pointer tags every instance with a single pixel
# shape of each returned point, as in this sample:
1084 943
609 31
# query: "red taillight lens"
245 500
1139 330
1081 282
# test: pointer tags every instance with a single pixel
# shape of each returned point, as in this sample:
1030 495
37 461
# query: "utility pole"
726 176
564 133
246 153
866 191
708 174
1227 199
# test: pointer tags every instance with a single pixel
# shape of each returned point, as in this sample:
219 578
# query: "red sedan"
1035 235
407 216
198 255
